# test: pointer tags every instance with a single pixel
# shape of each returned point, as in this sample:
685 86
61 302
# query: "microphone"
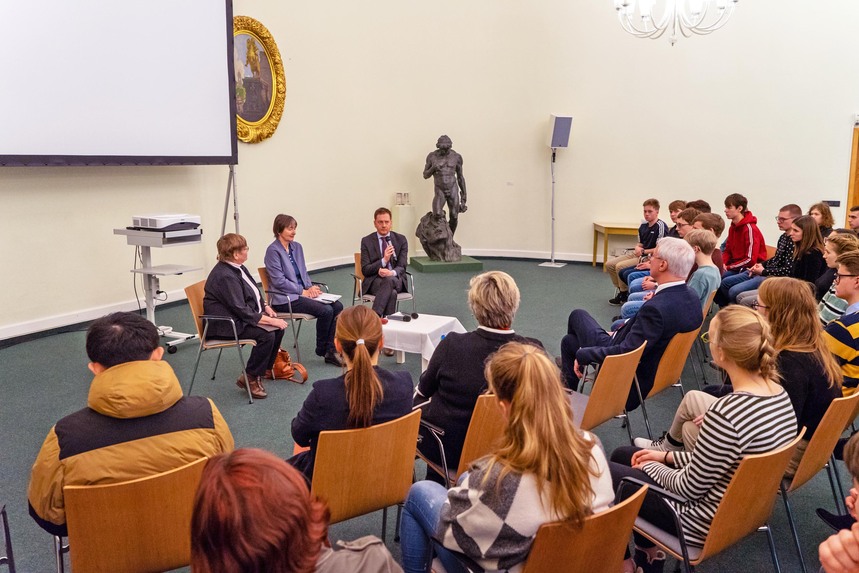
388 242
414 315
400 317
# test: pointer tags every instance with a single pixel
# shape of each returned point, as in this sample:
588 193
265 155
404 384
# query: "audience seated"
822 215
365 395
543 470
292 289
635 276
232 291
649 233
755 419
253 513
674 308
842 334
779 265
715 224
832 307
699 205
808 372
454 378
745 246
674 209
136 423
853 218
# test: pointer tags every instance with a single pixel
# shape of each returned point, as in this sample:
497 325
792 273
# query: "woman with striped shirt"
756 418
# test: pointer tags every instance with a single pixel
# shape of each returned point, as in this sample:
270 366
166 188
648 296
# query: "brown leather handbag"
285 369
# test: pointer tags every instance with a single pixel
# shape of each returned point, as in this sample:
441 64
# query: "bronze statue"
445 166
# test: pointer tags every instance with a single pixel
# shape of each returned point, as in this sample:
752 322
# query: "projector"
165 222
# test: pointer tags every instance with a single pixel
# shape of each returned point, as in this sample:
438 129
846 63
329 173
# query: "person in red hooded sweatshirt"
745 246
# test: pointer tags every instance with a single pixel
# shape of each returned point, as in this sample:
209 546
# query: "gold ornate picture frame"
260 83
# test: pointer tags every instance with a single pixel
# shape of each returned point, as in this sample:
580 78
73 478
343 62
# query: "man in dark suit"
384 256
674 308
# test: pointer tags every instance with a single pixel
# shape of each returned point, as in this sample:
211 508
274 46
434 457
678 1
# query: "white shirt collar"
668 285
496 330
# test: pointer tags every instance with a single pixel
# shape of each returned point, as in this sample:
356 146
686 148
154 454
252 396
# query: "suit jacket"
452 381
371 258
281 274
228 294
327 408
672 310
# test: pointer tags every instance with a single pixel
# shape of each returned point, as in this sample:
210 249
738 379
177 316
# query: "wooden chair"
137 526
700 347
609 391
745 508
669 370
818 455
292 317
770 251
598 547
358 294
8 557
195 294
484 430
367 469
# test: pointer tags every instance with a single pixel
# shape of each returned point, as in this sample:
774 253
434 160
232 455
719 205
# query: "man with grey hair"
674 308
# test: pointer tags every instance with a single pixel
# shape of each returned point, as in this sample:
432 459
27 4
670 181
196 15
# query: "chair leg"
643 407
628 426
59 551
295 334
196 365
9 558
772 548
244 373
384 524
784 496
832 471
399 515
217 361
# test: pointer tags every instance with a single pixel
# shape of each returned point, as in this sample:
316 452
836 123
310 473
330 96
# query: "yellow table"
608 229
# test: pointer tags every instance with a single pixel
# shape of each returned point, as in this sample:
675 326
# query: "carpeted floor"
45 379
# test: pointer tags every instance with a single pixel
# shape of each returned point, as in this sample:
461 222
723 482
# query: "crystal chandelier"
651 18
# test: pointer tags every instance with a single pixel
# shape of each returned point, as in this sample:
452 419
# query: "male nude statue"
445 166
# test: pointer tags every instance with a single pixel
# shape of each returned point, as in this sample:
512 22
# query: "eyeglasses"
756 305
839 276
681 225
705 337
784 219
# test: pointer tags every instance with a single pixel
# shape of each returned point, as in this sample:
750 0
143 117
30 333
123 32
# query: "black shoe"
332 357
645 565
616 301
836 522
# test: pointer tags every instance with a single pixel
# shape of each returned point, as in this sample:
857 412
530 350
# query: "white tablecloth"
421 335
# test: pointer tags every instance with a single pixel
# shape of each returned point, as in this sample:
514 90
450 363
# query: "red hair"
253 514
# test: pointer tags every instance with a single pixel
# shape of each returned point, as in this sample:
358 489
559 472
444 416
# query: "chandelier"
652 18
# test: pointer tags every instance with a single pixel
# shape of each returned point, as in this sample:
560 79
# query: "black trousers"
263 354
326 319
385 289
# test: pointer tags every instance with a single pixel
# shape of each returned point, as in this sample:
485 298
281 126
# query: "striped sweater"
842 336
736 425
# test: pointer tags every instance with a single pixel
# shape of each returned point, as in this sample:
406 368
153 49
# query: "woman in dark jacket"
232 291
364 396
808 263
453 380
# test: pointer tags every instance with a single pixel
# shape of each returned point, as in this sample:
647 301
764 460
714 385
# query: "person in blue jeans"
544 470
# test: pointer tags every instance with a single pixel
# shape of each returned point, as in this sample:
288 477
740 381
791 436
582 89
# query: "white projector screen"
101 82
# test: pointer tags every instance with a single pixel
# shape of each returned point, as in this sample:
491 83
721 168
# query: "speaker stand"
552 263
232 187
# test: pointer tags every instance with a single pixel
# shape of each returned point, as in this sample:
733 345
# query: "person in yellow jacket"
137 422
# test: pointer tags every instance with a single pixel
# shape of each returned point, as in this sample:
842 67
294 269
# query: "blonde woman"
364 395
543 470
756 418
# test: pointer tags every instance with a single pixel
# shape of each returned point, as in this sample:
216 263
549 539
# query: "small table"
420 335
608 229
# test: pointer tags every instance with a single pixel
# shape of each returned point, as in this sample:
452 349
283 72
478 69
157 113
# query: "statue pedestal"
425 265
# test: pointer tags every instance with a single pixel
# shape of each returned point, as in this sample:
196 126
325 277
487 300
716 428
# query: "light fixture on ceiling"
652 18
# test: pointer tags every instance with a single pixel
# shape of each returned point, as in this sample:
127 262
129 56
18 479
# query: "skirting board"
88 314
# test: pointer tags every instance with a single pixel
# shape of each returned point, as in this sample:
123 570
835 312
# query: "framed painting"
260 84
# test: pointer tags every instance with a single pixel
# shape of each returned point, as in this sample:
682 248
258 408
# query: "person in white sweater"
544 470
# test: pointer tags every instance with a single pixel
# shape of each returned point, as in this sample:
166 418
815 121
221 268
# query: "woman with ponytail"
363 396
544 469
756 418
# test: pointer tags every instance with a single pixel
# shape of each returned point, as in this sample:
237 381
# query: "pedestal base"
425 265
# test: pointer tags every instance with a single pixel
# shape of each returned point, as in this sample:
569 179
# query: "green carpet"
45 379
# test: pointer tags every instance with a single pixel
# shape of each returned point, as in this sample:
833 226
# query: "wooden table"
608 229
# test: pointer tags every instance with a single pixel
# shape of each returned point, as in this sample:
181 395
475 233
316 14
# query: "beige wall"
763 107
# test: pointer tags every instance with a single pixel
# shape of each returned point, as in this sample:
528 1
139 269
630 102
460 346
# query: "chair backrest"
770 251
486 427
195 293
597 547
135 526
358 272
611 388
708 305
263 278
362 470
673 359
838 415
748 501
